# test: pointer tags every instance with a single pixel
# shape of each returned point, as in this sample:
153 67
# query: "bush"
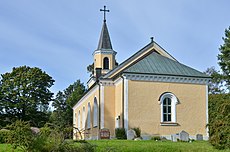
20 135
219 116
137 131
120 133
3 136
156 138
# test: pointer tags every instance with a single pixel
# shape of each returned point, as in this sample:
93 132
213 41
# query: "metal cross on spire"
104 10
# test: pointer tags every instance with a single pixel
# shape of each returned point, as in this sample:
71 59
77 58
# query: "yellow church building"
150 90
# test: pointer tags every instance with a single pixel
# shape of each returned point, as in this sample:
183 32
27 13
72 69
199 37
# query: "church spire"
104 55
104 41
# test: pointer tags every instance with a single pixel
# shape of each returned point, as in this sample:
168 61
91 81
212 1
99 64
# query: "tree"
25 95
63 103
224 56
219 116
217 83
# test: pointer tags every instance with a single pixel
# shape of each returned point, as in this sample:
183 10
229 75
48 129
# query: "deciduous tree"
25 95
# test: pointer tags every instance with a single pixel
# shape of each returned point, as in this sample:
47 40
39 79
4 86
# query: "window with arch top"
89 116
168 102
106 63
95 113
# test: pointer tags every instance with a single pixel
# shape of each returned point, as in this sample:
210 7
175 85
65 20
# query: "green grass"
142 146
153 146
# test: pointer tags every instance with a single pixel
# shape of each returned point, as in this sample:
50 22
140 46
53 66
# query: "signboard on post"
104 133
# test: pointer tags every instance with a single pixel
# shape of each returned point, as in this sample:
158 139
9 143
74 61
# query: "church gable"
153 59
158 64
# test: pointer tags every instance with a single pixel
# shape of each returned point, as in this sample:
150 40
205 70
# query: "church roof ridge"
166 60
155 63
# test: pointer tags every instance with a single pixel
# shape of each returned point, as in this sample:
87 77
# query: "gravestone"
131 134
104 133
183 136
199 137
174 137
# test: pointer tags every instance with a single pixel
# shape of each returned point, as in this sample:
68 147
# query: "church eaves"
104 41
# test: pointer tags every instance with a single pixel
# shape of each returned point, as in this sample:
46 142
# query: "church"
150 90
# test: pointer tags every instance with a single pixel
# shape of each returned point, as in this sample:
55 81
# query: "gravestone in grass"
199 137
104 133
174 137
131 134
183 136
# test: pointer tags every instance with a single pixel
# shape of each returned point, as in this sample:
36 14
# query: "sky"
59 36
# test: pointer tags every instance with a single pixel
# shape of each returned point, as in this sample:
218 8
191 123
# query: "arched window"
106 63
168 103
79 120
83 118
89 116
95 113
167 110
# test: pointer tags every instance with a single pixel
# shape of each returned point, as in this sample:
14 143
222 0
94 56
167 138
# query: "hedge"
219 120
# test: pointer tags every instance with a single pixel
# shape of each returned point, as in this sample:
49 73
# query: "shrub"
219 116
137 131
3 136
120 133
20 135
156 138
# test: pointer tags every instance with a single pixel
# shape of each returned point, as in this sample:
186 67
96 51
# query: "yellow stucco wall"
109 108
144 110
119 102
98 60
92 131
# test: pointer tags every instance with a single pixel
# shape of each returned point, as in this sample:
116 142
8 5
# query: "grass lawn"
143 146
152 146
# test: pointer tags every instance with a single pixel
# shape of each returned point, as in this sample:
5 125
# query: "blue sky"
59 36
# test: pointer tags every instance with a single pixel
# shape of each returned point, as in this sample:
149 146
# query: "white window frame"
174 102
95 113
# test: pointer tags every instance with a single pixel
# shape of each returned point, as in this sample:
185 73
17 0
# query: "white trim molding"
207 129
166 78
106 82
102 106
107 51
126 101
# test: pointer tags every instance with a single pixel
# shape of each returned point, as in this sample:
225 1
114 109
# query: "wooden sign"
104 133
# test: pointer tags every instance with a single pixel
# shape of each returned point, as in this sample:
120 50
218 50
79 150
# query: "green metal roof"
158 64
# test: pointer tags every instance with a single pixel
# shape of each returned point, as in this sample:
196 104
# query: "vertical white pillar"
102 107
126 94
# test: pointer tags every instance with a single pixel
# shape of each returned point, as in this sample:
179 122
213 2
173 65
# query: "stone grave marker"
104 133
131 134
183 136
174 137
199 137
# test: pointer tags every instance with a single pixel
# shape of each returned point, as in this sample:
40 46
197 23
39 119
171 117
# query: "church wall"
144 110
92 132
109 108
119 103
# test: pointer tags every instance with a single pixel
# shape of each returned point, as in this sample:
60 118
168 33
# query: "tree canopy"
224 56
25 95
63 103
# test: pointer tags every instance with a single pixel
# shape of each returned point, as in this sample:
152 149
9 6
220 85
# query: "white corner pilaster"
207 129
126 93
102 107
